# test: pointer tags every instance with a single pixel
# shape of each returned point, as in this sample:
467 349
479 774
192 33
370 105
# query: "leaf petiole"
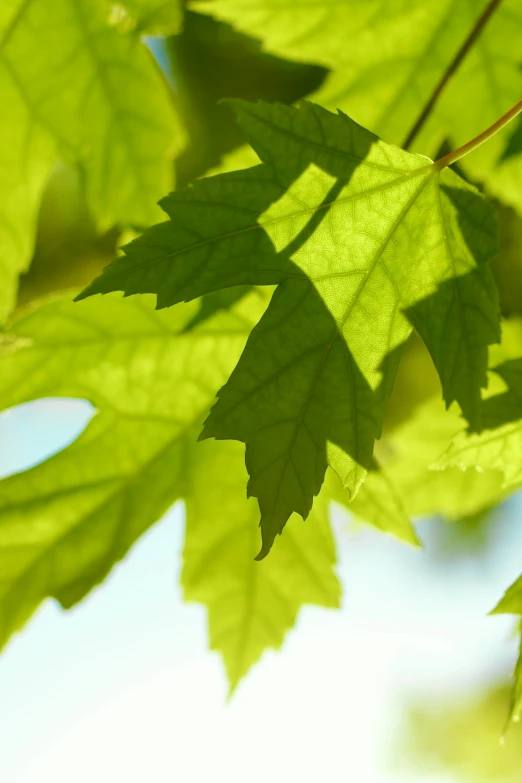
497 126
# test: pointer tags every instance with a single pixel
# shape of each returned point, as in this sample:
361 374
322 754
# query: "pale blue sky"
122 688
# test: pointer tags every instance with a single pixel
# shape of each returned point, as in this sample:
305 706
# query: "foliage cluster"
354 305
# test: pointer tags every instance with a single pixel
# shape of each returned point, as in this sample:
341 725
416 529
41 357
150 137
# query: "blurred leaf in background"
211 61
463 739
75 88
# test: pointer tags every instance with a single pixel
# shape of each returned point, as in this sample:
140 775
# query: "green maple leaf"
387 58
378 503
413 455
499 445
406 483
365 241
73 87
250 605
66 522
415 449
498 448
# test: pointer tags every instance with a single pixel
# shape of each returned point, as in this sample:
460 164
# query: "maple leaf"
364 240
378 503
66 522
250 605
406 483
73 87
499 445
387 59
415 449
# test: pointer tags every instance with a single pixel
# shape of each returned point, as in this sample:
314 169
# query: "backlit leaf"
73 87
388 57
64 523
250 605
365 241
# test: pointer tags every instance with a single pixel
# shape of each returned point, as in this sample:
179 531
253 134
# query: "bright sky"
122 689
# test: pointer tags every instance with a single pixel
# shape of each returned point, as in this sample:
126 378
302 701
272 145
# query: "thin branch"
497 126
452 67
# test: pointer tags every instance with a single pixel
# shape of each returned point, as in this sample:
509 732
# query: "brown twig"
450 70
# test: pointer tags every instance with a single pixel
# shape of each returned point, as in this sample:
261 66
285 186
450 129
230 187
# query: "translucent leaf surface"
365 241
65 523
411 468
387 58
379 504
499 446
407 483
250 605
73 86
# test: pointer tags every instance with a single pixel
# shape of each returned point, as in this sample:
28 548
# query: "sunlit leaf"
365 241
65 523
73 87
388 57
378 503
415 449
250 605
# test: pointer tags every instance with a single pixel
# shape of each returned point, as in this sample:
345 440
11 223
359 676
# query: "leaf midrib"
339 333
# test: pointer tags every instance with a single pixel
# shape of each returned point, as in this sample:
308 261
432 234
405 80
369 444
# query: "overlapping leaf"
416 454
66 522
413 452
387 58
364 240
407 483
73 86
499 446
495 452
378 503
251 605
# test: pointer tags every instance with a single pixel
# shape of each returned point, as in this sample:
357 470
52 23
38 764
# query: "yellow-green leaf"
365 241
73 87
